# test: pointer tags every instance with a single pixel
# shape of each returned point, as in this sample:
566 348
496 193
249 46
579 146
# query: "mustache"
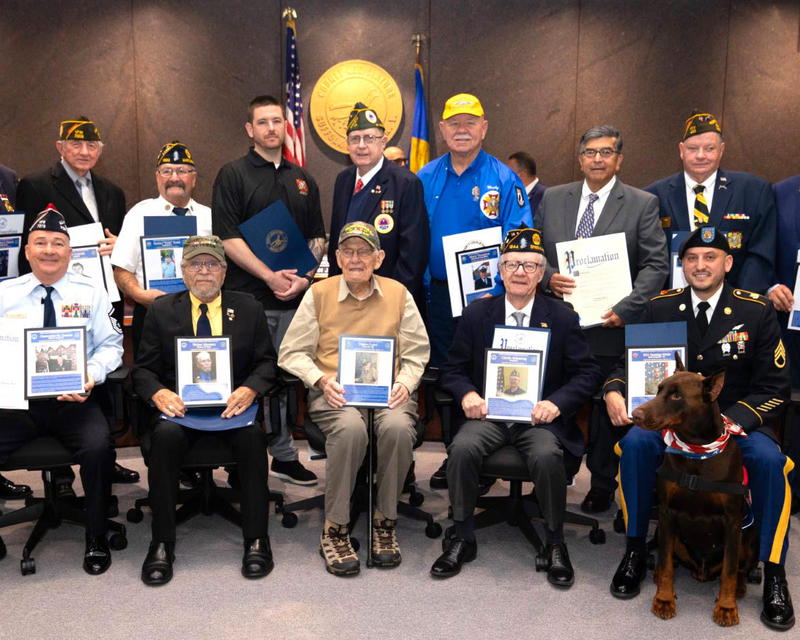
175 183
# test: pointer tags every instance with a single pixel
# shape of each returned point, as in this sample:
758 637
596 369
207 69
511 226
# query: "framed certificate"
465 243
523 339
86 261
9 255
366 369
55 361
476 271
161 263
203 370
513 382
12 349
647 367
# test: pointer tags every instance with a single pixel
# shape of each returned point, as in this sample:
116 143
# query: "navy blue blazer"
8 185
535 196
743 208
572 375
402 222
787 197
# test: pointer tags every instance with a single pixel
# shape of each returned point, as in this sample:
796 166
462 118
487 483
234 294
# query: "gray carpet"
500 595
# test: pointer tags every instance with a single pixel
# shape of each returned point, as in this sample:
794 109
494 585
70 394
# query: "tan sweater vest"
378 315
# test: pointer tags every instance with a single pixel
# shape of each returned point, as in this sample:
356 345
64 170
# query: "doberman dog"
700 493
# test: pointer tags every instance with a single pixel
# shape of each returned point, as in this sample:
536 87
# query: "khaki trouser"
346 443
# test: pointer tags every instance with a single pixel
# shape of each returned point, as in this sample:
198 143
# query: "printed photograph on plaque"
513 382
55 361
203 370
87 262
647 368
476 271
366 369
161 263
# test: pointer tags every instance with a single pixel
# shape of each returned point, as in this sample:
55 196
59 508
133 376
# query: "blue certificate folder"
275 238
656 334
208 418
170 226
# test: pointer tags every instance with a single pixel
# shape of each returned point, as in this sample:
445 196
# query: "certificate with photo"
12 349
460 243
523 339
647 368
9 256
55 362
161 263
513 381
81 237
794 314
203 370
476 271
87 262
366 369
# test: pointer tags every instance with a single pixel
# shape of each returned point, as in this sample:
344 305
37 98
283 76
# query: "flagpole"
420 145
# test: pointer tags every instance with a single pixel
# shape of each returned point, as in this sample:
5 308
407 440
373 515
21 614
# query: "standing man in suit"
600 205
524 166
387 196
571 377
205 310
738 204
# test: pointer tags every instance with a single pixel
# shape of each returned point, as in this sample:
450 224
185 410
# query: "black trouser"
169 444
83 430
600 457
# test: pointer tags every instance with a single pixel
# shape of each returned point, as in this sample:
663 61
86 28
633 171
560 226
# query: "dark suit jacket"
407 244
572 374
535 196
54 186
752 239
243 319
627 210
787 197
757 385
8 184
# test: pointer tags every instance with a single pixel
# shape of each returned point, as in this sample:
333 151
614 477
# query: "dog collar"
702 451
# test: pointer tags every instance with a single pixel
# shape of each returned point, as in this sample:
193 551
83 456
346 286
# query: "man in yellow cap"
465 189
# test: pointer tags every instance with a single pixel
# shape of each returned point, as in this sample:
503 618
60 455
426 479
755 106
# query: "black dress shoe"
457 551
560 573
122 475
97 557
630 573
257 560
439 477
597 501
778 612
12 491
157 565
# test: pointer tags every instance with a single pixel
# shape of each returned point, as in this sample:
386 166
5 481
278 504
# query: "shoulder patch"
520 197
742 294
668 293
114 323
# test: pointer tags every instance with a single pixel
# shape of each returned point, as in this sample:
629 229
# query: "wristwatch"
309 278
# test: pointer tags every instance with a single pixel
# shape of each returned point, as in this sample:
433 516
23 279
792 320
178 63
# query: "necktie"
203 323
700 206
586 224
359 185
702 317
180 211
519 317
49 309
87 195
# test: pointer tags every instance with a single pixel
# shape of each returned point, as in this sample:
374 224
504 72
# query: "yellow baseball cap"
462 103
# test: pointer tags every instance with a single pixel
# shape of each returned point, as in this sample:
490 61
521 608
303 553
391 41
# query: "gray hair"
602 131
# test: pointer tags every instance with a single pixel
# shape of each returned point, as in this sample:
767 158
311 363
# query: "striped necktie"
586 225
700 206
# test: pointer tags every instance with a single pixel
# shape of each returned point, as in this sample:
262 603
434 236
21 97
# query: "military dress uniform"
744 339
81 427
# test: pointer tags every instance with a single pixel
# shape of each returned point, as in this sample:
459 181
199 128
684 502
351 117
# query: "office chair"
45 454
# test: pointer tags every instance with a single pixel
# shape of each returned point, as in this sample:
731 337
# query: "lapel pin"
231 314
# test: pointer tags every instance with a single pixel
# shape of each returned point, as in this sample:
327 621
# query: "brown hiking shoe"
385 550
335 547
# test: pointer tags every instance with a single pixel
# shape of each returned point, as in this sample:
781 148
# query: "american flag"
294 146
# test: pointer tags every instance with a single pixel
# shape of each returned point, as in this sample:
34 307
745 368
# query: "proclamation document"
12 352
602 276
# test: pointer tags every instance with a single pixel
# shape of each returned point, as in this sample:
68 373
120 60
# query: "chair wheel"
356 544
754 575
134 515
541 563
118 541
433 530
651 561
27 566
619 523
289 520
415 499
597 536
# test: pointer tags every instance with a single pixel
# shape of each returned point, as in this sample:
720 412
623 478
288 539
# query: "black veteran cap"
195 245
50 220
698 123
523 239
363 230
362 117
705 237
174 153
80 129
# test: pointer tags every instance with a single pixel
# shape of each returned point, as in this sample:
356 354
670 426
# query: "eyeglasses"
512 265
213 266
367 139
166 172
361 253
605 152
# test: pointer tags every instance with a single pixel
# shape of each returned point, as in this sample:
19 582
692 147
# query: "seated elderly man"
570 379
205 310
45 298
361 303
